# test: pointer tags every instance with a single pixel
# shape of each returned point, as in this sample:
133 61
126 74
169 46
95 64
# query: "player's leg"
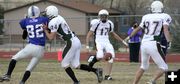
108 71
157 55
109 49
138 76
20 55
37 54
99 54
7 76
144 64
76 62
34 61
68 54
85 67
94 60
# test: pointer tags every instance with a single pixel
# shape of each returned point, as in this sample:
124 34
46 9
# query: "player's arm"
93 26
24 35
50 35
23 26
118 38
134 32
89 34
166 33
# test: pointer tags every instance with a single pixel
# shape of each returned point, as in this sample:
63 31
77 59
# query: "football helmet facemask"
103 14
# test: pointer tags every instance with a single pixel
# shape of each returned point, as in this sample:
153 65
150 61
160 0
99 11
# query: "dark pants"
165 52
134 52
164 43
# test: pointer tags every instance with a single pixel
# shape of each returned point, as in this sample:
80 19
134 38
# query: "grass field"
50 72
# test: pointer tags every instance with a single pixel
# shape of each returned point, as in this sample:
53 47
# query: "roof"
82 6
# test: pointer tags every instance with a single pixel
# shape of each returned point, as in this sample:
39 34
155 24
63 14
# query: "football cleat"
21 82
108 78
77 82
151 82
91 58
99 74
5 78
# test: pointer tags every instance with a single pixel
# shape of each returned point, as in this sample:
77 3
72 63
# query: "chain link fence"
14 42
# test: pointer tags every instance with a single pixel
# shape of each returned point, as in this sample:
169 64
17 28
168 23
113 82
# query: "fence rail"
13 42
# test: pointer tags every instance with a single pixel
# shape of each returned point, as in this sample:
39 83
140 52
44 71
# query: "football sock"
12 64
107 75
91 64
87 68
26 76
70 72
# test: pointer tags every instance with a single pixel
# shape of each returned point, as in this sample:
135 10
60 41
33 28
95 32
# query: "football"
107 56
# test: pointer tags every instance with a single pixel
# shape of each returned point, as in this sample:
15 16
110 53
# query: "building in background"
8 4
77 14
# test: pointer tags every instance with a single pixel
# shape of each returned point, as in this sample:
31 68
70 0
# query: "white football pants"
30 50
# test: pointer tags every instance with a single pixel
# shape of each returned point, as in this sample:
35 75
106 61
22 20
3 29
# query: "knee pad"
15 58
64 65
75 66
144 67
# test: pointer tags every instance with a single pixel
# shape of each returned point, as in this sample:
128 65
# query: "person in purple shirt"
134 43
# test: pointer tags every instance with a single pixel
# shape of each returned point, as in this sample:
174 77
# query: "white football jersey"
101 30
59 25
153 25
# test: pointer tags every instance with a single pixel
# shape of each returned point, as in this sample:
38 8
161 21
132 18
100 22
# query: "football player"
154 24
71 52
32 28
101 28
164 44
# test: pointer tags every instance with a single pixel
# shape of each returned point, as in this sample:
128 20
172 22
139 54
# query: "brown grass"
50 72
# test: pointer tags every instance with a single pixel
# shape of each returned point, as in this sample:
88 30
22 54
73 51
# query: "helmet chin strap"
52 17
156 12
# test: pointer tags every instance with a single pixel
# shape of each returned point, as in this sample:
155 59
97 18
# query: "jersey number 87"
152 27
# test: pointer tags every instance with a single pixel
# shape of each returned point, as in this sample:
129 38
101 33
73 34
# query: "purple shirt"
136 38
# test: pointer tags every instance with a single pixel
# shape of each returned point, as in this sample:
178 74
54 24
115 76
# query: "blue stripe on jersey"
32 9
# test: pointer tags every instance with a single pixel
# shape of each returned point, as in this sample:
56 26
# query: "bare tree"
104 3
136 6
111 3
